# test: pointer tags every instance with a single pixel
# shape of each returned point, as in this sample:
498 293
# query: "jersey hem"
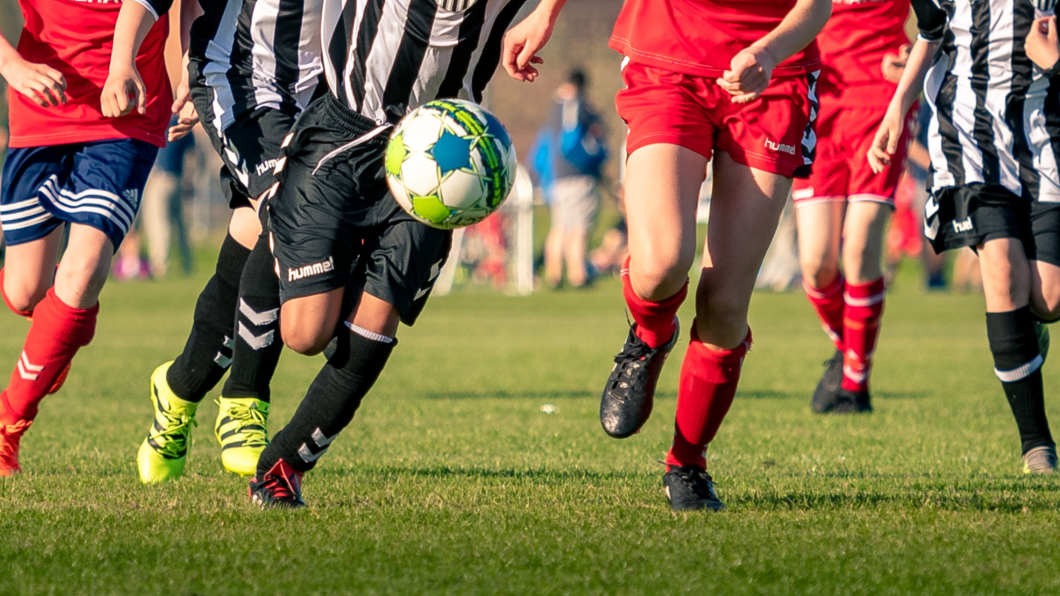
623 46
51 139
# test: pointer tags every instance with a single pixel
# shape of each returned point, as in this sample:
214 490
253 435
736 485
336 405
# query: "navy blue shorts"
96 184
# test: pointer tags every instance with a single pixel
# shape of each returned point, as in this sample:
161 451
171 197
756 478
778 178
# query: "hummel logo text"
265 167
963 226
781 147
311 270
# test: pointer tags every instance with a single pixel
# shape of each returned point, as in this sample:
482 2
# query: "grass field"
453 480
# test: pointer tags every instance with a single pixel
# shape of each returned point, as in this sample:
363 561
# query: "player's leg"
1007 282
745 210
99 197
662 192
29 270
554 241
396 270
820 231
249 148
864 229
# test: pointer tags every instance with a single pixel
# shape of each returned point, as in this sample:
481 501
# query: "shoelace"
278 488
248 418
173 441
699 481
1041 459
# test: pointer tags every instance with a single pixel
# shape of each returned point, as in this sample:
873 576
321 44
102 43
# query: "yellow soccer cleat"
242 431
165 450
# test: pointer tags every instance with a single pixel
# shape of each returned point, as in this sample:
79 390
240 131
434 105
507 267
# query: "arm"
885 143
751 69
523 41
134 22
39 82
187 116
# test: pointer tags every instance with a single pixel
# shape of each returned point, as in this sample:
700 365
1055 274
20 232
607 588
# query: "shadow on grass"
471 473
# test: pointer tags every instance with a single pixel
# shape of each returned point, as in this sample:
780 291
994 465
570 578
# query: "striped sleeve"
930 19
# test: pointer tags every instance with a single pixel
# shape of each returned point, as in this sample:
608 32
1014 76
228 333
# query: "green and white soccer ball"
450 163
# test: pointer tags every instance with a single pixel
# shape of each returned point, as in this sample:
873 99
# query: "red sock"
861 327
56 334
828 302
656 321
21 313
707 388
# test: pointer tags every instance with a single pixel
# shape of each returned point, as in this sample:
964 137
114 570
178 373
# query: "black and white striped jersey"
383 58
258 53
996 118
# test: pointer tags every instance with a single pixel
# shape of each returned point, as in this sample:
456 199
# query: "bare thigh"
29 270
820 226
662 193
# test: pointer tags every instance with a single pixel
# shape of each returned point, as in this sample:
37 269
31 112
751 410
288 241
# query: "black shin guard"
257 338
208 352
1017 364
330 404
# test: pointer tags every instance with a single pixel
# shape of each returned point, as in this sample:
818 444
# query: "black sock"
1017 364
257 339
208 352
330 403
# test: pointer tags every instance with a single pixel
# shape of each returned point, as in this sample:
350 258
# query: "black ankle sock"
257 339
330 404
208 351
1017 364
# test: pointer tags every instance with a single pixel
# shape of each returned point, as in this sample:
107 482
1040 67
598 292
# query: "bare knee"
305 341
22 298
659 277
1046 305
820 273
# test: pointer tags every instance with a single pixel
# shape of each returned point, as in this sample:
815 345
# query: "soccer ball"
450 163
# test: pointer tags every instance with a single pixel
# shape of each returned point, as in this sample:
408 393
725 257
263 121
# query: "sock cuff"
836 287
65 323
667 304
731 356
372 335
866 294
3 294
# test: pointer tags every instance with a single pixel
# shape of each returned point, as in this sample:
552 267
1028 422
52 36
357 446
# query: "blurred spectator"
162 212
906 234
607 259
568 156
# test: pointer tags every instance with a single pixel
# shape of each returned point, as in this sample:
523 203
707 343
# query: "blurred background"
569 217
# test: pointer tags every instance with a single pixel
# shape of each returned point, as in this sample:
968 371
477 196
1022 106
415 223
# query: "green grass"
452 480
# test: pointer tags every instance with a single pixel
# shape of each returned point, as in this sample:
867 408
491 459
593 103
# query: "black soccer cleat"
853 402
280 487
691 489
824 397
630 391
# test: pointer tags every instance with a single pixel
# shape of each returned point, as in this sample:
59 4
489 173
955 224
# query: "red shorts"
774 133
841 171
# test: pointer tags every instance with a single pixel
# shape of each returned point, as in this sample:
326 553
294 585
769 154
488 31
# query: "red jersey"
75 38
853 44
700 37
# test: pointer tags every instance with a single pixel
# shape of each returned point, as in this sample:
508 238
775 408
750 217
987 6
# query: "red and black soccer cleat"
281 486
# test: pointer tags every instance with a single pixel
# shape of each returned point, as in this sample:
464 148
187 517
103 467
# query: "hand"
39 82
123 92
182 106
748 75
894 64
521 45
885 143
1041 44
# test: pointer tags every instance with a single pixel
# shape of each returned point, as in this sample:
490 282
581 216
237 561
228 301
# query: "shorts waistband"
346 119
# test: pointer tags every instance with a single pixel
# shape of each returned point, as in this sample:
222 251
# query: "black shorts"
970 215
334 223
248 146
